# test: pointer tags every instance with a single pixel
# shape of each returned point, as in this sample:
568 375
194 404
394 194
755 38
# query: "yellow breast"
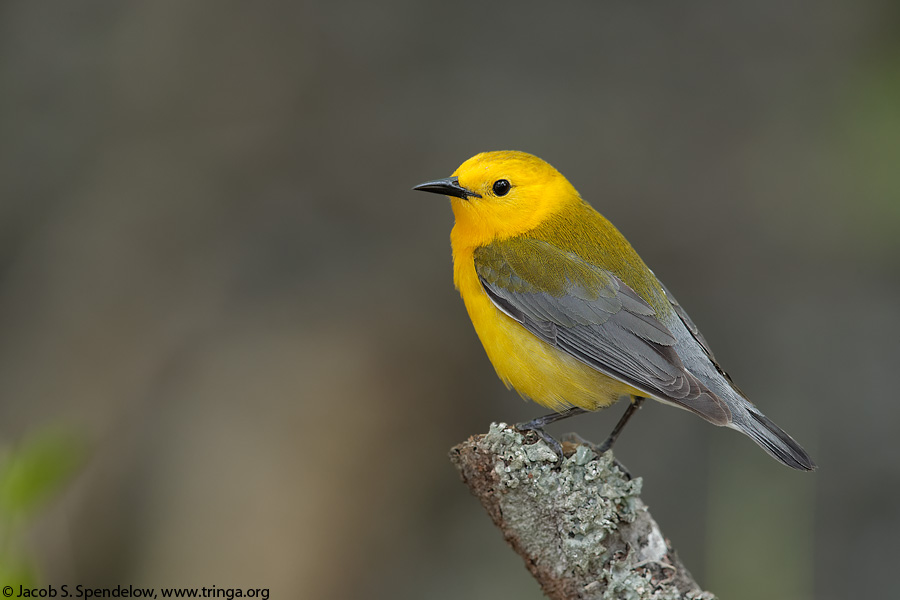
534 368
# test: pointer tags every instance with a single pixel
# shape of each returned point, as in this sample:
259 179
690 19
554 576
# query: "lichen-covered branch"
580 526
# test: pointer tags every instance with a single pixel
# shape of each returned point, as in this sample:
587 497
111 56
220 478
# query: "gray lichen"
580 524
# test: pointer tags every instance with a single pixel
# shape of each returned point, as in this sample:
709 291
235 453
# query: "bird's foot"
544 437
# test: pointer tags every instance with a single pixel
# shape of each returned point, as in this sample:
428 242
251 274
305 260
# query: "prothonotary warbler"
569 314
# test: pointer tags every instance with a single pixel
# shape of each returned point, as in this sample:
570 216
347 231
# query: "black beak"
449 187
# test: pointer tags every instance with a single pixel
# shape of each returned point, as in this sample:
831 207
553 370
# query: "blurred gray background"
212 264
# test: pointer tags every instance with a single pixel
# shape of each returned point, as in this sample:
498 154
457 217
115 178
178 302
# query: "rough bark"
580 526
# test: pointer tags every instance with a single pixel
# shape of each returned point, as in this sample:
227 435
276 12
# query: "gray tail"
773 439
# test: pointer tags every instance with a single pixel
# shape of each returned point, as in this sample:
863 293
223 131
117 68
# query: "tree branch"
581 528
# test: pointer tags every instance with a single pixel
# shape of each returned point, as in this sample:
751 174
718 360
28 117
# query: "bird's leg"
541 422
577 439
632 408
537 426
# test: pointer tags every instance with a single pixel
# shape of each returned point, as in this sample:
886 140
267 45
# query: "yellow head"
497 195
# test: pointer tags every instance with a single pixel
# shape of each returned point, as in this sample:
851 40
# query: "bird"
568 313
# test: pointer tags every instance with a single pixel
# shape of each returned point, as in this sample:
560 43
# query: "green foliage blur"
33 472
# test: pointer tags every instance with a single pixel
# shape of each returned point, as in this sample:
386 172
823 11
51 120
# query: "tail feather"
773 439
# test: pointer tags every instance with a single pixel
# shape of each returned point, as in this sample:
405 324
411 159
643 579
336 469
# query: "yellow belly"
534 368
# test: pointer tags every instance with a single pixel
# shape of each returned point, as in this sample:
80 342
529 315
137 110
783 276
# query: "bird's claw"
545 437
574 438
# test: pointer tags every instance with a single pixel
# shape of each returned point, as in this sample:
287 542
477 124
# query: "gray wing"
695 333
592 315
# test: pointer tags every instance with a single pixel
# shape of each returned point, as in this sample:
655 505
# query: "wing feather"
592 315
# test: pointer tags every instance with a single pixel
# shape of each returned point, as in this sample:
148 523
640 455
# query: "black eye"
501 187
